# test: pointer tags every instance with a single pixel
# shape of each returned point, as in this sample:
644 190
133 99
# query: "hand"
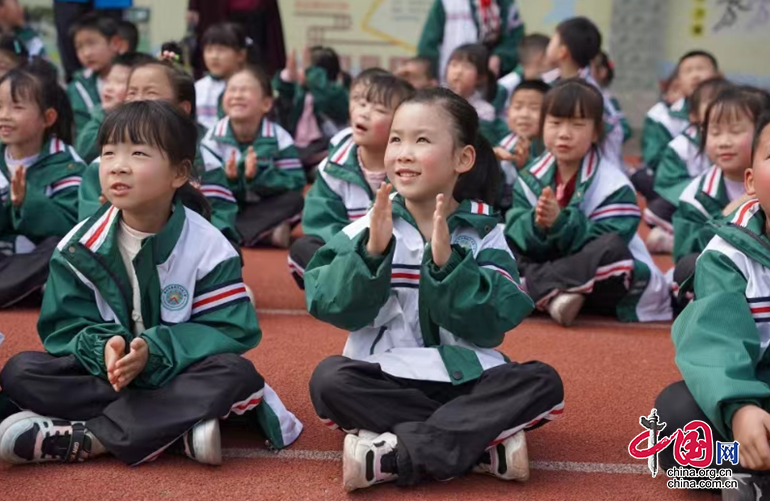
547 209
381 224
751 426
494 65
251 163
231 167
521 152
291 66
730 208
114 350
130 366
192 18
439 241
503 154
305 64
18 187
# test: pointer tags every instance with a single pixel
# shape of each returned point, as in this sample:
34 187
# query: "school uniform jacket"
339 195
416 320
722 336
194 301
505 87
85 142
452 23
508 143
84 96
49 208
624 125
208 100
604 202
661 125
32 40
702 201
278 167
681 162
330 100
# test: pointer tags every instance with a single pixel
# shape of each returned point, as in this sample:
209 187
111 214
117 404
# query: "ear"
186 106
182 174
748 182
266 105
118 45
49 117
563 52
466 159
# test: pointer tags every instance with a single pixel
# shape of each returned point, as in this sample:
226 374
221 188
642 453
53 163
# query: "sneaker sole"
6 449
207 442
517 458
351 467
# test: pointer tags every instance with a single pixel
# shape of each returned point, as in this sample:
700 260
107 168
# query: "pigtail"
482 182
192 198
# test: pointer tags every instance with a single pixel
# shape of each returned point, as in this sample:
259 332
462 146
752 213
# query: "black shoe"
751 487
27 437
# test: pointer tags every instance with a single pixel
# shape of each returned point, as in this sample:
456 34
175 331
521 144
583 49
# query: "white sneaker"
659 241
508 460
26 437
281 236
564 308
362 460
250 293
203 443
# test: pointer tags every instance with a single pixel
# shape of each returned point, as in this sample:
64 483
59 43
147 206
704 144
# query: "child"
494 23
225 51
158 80
728 130
682 160
96 43
532 65
12 20
721 337
350 176
128 36
39 177
574 219
428 287
261 163
13 53
419 72
603 71
665 121
575 44
111 95
128 308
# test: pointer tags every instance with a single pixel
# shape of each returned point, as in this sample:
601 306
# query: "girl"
419 376
136 303
603 72
728 130
225 51
39 177
13 53
574 219
261 163
158 80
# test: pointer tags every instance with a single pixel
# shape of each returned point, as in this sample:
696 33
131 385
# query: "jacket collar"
542 173
712 193
680 110
692 132
746 231
223 132
481 217
52 147
343 164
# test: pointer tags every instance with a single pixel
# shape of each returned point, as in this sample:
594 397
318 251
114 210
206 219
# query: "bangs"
24 86
224 34
574 99
475 54
388 91
729 111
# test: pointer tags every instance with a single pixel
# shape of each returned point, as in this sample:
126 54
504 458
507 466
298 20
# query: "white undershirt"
129 245
14 164
735 189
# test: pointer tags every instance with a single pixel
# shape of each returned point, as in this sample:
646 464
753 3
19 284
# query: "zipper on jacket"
377 339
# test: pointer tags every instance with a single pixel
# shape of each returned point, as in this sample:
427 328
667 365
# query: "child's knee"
329 379
677 407
17 369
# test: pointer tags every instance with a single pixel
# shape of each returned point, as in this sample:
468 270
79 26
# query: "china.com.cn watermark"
694 454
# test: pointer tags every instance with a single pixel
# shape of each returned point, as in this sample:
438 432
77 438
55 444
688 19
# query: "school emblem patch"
466 242
174 297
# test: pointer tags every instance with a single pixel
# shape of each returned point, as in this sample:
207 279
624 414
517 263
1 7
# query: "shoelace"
56 445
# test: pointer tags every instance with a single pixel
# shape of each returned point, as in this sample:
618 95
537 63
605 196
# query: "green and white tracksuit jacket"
416 320
505 87
278 167
83 92
627 132
604 202
85 142
208 100
508 143
721 337
32 40
702 201
213 185
49 208
661 125
194 303
452 23
681 162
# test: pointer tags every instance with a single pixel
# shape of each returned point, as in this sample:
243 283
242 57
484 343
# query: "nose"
119 165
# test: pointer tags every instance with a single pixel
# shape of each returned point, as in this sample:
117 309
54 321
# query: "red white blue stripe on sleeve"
217 191
220 297
63 184
288 163
616 210
356 212
492 266
480 208
760 309
405 275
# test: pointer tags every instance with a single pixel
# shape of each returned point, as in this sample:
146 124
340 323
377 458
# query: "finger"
138 344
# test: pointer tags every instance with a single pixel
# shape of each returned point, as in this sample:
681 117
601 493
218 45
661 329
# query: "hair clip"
610 64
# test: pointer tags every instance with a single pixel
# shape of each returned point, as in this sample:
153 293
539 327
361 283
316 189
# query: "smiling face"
22 121
116 86
244 98
728 143
524 113
462 77
422 158
569 139
150 83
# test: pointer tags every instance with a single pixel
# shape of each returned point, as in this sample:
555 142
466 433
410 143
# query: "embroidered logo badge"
174 297
466 242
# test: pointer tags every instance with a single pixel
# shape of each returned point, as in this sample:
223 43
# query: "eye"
140 154
422 139
395 139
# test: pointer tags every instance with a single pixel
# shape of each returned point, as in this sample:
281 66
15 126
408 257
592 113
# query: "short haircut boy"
582 39
699 53
532 46
536 85
130 33
106 26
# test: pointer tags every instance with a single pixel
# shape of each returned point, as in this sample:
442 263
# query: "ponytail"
192 198
482 182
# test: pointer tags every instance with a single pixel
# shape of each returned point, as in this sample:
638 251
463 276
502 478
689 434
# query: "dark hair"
699 53
582 39
164 126
14 46
536 85
129 32
482 182
575 98
231 35
389 90
732 101
762 123
106 26
132 59
603 61
260 76
707 90
326 58
38 81
427 63
182 83
532 46
478 55
366 76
